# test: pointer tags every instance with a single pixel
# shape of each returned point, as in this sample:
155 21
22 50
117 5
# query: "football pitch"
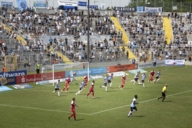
39 108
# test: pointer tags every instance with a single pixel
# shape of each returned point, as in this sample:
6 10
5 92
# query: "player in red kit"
67 81
73 104
122 81
91 90
151 76
86 79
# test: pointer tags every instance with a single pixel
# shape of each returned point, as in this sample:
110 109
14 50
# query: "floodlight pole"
88 26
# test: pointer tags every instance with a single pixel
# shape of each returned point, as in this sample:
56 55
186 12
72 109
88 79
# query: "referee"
163 92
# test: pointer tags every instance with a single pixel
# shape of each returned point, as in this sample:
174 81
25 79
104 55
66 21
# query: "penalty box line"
41 109
139 103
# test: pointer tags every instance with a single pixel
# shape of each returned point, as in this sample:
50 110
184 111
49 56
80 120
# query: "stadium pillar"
88 26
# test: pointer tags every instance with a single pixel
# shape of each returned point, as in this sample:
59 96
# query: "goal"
52 73
75 71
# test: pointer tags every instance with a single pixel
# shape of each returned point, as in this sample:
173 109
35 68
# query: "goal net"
52 73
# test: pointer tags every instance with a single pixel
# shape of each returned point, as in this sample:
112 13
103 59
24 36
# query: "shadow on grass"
168 101
140 116
80 119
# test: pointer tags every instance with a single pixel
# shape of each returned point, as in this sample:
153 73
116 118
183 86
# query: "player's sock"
78 92
58 93
143 85
103 86
158 79
110 85
53 92
129 113
74 116
154 80
106 88
132 81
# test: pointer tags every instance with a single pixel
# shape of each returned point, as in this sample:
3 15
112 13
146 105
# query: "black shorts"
157 77
80 88
105 84
136 79
163 94
133 108
142 81
109 81
56 89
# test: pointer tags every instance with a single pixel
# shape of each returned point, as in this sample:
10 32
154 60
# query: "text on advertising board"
122 67
39 77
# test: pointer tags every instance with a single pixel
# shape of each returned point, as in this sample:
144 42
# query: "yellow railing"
168 30
63 57
19 38
124 37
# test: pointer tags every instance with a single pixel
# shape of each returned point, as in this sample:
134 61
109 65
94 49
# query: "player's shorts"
80 88
133 108
142 81
91 90
157 77
109 81
136 79
56 89
72 110
105 84
163 94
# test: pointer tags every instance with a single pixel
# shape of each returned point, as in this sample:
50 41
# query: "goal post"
75 71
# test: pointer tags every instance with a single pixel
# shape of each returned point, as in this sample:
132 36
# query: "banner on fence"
175 62
21 4
6 4
40 3
125 9
150 64
83 72
153 9
140 9
39 77
122 67
93 6
82 3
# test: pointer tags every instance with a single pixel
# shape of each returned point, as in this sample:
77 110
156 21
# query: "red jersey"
68 80
86 78
73 105
152 73
92 86
123 77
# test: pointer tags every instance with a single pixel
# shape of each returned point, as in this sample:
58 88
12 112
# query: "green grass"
39 108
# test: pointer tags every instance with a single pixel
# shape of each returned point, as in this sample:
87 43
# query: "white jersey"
133 103
82 84
136 76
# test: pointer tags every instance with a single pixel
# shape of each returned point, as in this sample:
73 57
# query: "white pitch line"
139 103
42 109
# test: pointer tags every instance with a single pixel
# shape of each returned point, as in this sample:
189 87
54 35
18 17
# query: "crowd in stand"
147 36
33 25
